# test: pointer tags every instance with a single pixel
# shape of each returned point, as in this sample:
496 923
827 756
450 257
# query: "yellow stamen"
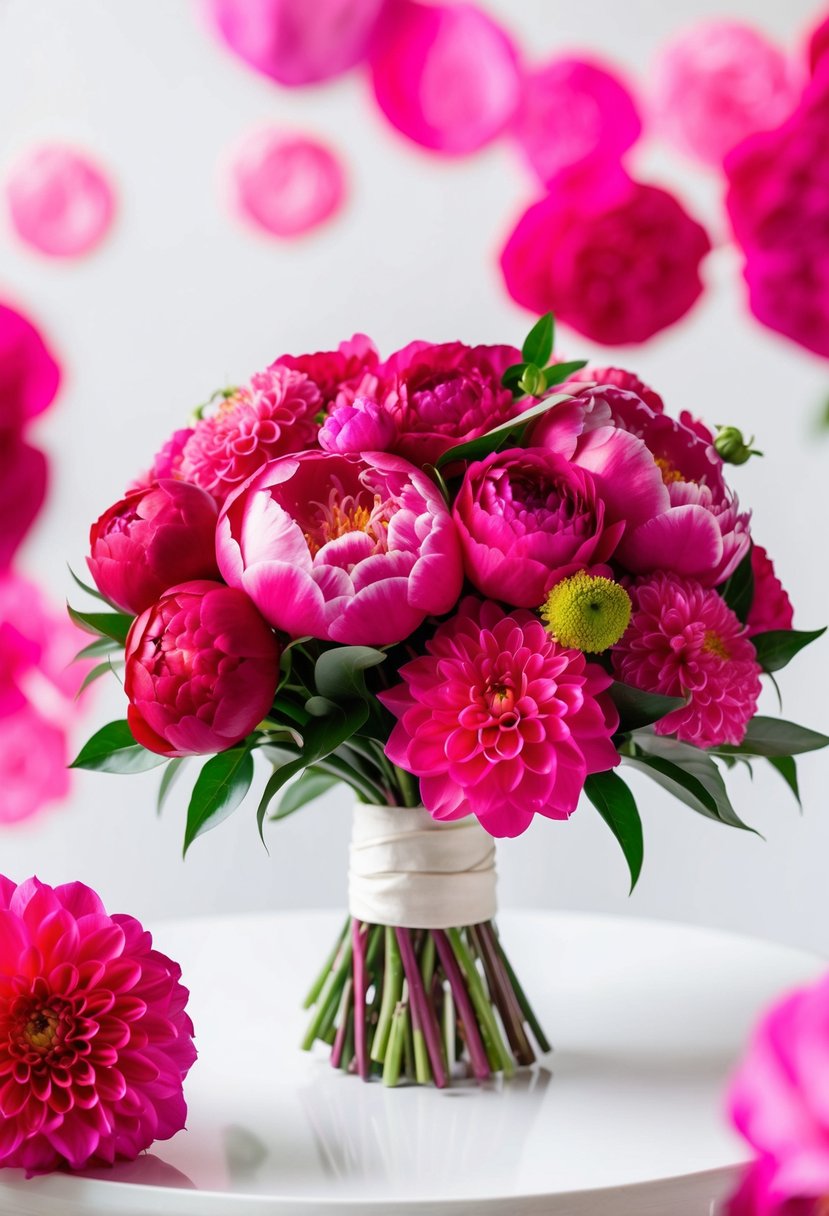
41 1029
714 644
670 473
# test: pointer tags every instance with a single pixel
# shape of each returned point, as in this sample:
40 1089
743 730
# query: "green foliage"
113 749
774 737
687 772
617 806
538 344
221 785
787 768
312 784
738 590
779 646
114 625
637 708
171 772
508 434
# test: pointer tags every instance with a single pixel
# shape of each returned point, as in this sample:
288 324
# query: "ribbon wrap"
412 871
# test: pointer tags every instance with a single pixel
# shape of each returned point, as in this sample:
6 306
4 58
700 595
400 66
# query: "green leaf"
221 785
738 590
114 750
171 772
507 434
787 768
93 675
690 774
319 707
774 737
562 371
437 477
779 646
115 625
637 708
538 344
310 785
85 587
95 649
617 806
339 673
512 376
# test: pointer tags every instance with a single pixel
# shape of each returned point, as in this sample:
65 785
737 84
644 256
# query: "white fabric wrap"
410 870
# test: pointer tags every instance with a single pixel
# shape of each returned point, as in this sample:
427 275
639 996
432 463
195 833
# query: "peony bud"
732 447
362 426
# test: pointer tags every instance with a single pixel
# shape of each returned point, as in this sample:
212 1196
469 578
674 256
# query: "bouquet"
470 583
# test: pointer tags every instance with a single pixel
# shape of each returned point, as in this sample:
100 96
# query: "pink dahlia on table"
95 1042
771 607
351 550
500 721
201 670
684 641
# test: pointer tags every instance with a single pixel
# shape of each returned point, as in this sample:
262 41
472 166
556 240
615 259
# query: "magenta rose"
151 540
339 548
526 519
201 670
613 258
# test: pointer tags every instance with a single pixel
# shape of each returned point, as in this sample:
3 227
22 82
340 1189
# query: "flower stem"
493 1039
359 941
475 1046
343 1011
394 1051
526 1007
392 990
316 987
423 1016
326 1010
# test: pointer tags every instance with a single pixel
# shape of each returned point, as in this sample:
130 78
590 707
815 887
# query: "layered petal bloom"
274 414
341 374
151 540
95 1042
202 668
771 607
500 721
526 519
363 426
684 641
349 550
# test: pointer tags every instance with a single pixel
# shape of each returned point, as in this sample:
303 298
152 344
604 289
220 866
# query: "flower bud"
362 426
533 381
732 447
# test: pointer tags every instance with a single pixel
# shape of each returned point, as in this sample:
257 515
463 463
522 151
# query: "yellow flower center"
39 1032
587 612
714 644
670 473
345 514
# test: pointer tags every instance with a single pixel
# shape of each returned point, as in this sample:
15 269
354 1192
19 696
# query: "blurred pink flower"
293 41
362 426
574 114
343 549
445 75
500 721
778 185
614 259
818 45
718 83
287 184
274 414
756 1196
771 607
684 641
29 373
202 668
94 1039
341 374
34 760
23 482
60 202
151 540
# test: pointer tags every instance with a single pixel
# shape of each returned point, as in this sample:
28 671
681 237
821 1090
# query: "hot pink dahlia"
94 1039
771 607
684 641
500 721
273 415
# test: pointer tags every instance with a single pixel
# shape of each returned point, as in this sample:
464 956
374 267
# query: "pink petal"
287 184
60 202
684 540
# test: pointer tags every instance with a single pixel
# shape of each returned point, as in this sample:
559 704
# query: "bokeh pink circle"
287 184
60 201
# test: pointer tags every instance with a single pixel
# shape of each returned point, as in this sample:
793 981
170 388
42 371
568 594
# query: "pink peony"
287 184
166 462
777 190
617 377
614 259
443 395
348 550
718 83
756 1196
445 75
526 519
60 201
500 721
201 670
771 607
341 374
684 641
95 1042
778 1096
23 482
362 426
292 41
574 114
272 415
151 540
29 374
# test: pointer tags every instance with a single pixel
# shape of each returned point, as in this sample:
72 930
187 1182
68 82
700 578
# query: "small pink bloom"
23 482
362 426
292 41
287 184
526 519
500 721
617 377
29 374
574 114
166 462
341 374
339 548
94 1039
201 670
612 258
756 1196
274 414
771 607
151 540
718 83
445 75
60 201
684 641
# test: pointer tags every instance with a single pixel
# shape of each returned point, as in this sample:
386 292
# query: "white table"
623 1119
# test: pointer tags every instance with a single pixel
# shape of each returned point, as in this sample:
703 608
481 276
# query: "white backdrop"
181 300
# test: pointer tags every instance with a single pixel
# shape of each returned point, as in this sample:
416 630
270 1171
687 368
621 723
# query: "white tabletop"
623 1119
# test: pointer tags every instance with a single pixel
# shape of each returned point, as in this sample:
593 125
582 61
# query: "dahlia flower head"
95 1041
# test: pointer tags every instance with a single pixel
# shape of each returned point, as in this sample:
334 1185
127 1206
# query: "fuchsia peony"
272 415
771 607
94 1038
350 550
201 670
618 377
362 426
684 641
499 721
150 540
341 374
